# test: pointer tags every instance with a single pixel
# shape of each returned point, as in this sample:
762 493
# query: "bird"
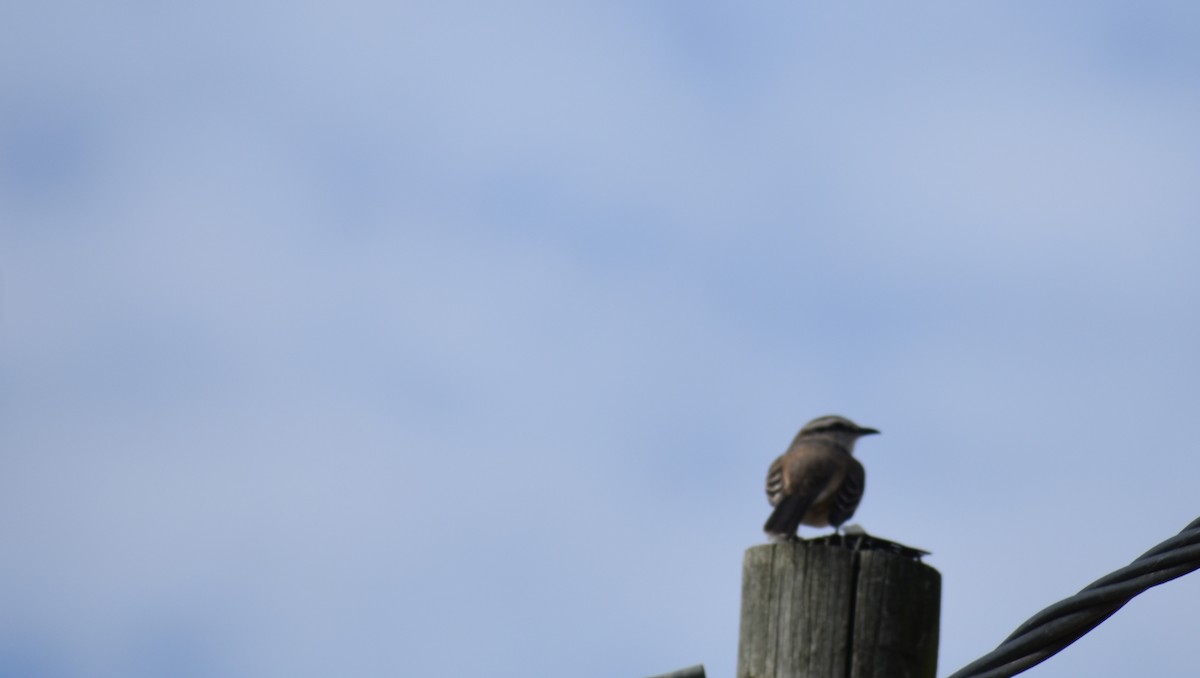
817 481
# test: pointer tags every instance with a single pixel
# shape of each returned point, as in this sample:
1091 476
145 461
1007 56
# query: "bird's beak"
867 431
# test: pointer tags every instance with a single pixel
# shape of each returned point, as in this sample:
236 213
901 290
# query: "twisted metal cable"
1057 626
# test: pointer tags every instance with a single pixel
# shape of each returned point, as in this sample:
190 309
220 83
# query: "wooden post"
817 609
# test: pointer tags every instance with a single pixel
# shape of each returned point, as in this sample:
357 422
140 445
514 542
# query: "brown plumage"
816 482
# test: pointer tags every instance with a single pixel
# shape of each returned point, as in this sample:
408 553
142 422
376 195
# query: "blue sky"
456 338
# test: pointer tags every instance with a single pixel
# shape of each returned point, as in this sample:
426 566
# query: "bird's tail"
786 517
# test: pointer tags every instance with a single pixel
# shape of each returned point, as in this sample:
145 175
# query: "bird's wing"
849 494
775 482
795 482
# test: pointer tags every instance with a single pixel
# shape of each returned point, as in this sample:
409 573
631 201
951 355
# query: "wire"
1054 628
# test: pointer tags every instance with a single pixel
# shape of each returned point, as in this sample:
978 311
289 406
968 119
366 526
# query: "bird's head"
838 429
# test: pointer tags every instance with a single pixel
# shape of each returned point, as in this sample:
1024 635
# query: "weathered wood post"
820 609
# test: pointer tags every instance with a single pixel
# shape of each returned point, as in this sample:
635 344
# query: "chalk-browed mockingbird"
817 482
